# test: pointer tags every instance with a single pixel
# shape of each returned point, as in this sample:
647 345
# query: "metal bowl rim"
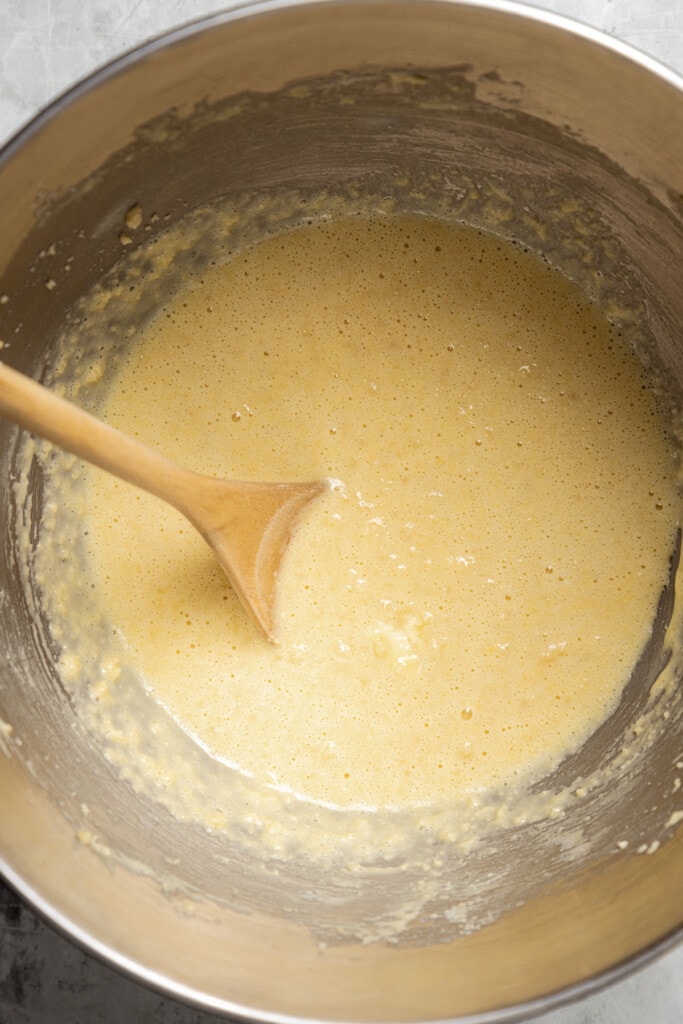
99 76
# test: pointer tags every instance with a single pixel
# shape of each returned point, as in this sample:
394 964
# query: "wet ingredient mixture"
465 604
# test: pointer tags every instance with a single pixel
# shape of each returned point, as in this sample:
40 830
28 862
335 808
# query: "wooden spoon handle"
38 410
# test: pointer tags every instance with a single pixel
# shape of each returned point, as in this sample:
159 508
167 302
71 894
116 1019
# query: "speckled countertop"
45 46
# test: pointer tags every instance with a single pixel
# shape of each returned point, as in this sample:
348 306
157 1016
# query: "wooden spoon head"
249 526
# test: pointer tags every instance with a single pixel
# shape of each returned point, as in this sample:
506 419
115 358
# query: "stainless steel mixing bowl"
505 116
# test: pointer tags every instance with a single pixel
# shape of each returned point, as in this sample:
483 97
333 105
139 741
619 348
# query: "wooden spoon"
247 525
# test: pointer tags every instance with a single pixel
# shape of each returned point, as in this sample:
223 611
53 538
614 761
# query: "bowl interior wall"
422 107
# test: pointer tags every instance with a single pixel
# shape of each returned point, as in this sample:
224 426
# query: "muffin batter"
465 604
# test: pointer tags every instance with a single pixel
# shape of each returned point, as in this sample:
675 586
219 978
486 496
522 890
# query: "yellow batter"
465 604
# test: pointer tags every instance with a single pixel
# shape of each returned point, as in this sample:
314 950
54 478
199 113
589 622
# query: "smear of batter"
465 605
